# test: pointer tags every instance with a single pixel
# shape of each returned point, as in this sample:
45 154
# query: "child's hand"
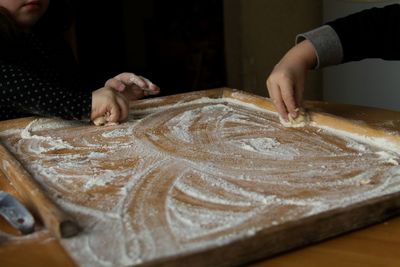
286 82
109 103
285 87
132 86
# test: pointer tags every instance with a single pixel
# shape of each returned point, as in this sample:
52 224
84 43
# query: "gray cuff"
326 43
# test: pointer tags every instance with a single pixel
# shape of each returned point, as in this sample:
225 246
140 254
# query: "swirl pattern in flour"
195 176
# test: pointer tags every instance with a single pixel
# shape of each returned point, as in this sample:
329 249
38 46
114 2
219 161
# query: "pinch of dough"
101 121
302 119
365 181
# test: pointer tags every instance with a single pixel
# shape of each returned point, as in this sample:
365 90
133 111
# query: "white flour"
195 175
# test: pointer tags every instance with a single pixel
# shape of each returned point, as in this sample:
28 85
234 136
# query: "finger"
130 78
115 84
135 79
288 98
138 80
124 107
276 97
141 82
299 94
114 113
152 88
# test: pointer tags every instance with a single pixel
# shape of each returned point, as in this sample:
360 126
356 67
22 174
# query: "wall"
259 32
371 82
135 14
177 44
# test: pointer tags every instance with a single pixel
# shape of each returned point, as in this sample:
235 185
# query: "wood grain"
40 248
323 119
374 246
37 249
146 192
57 221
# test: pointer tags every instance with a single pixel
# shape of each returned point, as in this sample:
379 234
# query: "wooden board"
208 179
37 249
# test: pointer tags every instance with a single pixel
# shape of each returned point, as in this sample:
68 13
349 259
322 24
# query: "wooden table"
42 250
375 246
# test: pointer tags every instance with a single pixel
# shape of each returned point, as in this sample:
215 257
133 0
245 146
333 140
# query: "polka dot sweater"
39 77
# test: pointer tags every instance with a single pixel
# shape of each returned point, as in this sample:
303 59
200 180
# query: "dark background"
179 45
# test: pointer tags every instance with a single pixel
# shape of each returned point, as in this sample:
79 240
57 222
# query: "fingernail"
285 118
293 114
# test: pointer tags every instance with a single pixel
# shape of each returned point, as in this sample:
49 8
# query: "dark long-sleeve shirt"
38 76
371 33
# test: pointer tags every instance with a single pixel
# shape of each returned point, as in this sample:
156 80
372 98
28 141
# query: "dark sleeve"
326 44
41 80
24 92
372 33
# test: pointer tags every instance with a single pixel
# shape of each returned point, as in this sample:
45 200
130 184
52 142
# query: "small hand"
285 88
132 86
286 82
109 103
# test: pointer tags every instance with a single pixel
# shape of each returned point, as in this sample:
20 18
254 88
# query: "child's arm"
371 33
24 92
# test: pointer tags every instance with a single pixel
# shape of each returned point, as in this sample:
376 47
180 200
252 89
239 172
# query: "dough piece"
100 121
365 182
302 119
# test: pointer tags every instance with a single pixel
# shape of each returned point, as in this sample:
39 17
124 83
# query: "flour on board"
195 175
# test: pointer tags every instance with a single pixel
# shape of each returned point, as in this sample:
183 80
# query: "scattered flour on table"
232 173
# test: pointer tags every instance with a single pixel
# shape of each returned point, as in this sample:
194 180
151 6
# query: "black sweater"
372 33
39 76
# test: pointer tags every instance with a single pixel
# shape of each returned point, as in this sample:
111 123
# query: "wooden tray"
208 178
